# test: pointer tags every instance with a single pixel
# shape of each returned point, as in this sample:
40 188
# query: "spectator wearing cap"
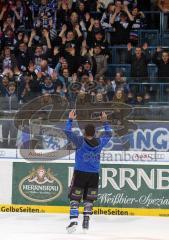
87 69
100 60
72 57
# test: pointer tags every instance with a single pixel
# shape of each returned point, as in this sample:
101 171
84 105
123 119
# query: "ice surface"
52 227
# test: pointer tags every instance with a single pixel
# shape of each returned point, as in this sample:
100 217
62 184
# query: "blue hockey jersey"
87 157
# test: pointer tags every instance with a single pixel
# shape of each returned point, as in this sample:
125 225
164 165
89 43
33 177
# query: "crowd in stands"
62 47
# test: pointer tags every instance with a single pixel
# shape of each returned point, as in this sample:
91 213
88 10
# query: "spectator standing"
163 5
107 15
39 53
9 104
119 97
122 27
100 60
161 59
121 33
7 59
44 70
138 19
119 83
47 86
22 56
139 62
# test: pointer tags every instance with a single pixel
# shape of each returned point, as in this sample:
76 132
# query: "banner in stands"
121 186
149 136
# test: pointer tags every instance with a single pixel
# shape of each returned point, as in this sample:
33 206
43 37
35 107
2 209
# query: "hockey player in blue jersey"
84 185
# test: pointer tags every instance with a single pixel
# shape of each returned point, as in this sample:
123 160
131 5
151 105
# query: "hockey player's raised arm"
77 140
107 130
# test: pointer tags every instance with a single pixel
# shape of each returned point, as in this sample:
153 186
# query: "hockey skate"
85 224
71 228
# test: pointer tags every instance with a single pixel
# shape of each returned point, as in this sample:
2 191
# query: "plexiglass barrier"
36 130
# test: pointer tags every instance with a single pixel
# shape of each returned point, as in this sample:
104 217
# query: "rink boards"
139 187
13 208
